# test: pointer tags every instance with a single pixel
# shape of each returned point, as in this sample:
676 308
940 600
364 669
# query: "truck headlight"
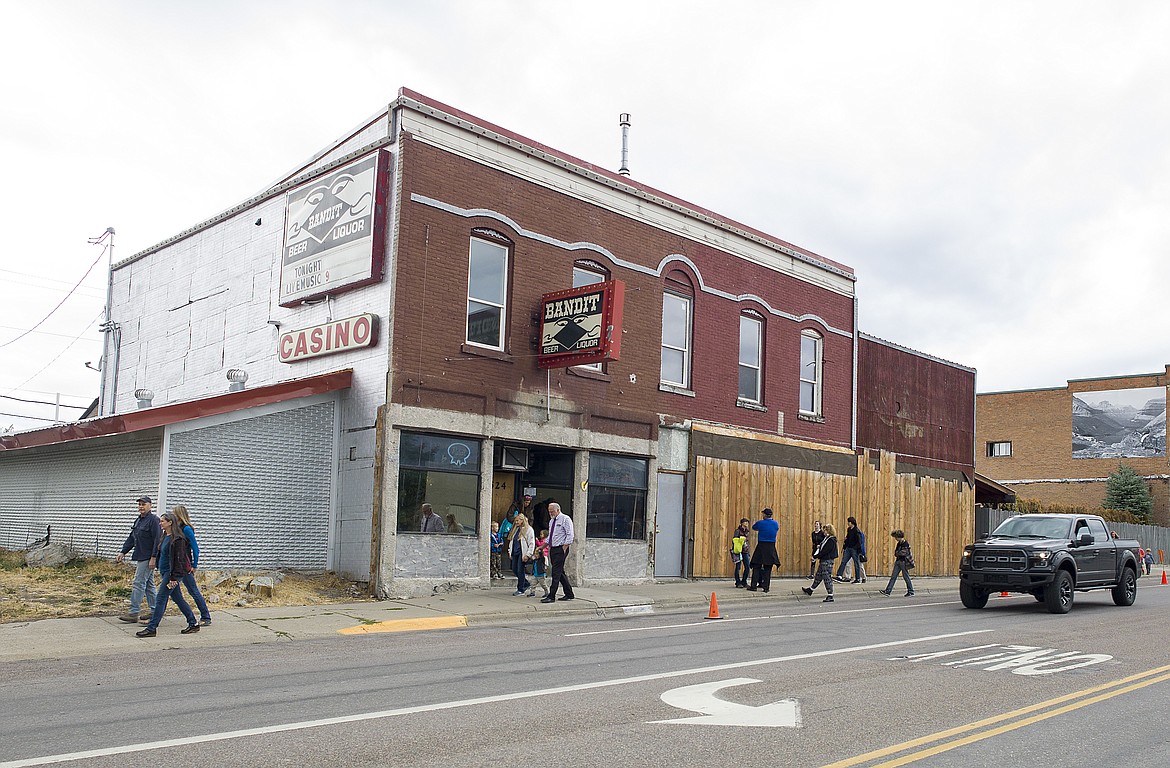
967 554
1041 558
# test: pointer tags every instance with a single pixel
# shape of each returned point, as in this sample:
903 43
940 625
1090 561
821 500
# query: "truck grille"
999 560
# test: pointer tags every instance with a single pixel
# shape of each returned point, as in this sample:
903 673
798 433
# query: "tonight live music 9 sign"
334 237
582 325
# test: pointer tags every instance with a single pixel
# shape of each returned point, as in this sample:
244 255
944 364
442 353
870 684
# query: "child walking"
539 565
903 562
739 553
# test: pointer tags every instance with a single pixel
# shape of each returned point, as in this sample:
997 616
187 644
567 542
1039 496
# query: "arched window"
677 317
587 272
751 357
811 372
487 289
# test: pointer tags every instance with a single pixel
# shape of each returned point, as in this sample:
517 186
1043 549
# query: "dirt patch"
93 587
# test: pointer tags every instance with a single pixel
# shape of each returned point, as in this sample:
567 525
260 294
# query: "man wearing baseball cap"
145 536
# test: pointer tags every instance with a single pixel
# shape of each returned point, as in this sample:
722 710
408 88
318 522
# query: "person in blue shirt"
189 581
764 557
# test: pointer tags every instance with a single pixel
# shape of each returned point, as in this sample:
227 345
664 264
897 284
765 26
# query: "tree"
1126 489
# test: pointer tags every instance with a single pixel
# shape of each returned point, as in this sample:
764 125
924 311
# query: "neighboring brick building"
1059 445
379 312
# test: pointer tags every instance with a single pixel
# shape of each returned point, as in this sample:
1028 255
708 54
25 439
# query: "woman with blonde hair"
825 554
188 581
521 546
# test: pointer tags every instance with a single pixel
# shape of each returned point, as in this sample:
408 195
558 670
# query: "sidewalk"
62 638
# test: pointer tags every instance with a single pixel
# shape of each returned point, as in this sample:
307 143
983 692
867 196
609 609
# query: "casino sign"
582 325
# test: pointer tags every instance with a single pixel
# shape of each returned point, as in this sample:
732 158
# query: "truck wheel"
972 597
1058 596
1126 590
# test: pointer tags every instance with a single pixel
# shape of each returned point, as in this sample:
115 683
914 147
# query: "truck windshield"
1033 528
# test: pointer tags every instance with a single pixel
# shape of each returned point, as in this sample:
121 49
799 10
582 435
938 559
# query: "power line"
55 359
54 309
41 333
22 416
44 402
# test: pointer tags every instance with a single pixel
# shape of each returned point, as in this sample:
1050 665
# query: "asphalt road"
859 682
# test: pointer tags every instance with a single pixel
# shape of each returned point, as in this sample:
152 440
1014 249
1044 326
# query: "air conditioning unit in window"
512 457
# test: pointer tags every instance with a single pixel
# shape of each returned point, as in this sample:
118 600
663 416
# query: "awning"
172 413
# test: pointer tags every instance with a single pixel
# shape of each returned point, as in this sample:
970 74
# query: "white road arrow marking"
716 711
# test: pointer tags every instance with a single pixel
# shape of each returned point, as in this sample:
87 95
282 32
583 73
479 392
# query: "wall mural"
1119 423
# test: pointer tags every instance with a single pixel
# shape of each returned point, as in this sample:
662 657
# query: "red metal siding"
920 408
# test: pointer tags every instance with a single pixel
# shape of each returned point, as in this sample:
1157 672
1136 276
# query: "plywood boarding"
937 515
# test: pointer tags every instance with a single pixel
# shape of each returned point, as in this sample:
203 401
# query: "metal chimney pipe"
624 122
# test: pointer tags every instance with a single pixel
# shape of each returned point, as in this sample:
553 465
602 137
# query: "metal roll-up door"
85 490
259 490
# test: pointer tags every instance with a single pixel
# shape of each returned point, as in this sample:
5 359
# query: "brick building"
1059 445
376 319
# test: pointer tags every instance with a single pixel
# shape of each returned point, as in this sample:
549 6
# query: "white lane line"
225 735
726 620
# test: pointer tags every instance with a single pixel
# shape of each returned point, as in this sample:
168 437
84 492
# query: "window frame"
993 447
502 335
758 367
689 301
817 380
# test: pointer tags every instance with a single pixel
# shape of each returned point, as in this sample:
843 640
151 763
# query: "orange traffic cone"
714 612
1164 576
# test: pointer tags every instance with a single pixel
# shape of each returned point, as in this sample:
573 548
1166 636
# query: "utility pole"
109 326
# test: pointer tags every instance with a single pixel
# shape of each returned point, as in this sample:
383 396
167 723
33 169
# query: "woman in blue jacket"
189 580
174 562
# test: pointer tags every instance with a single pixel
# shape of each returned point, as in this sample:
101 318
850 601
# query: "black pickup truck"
1049 557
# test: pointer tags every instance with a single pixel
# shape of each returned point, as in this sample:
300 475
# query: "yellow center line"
963 729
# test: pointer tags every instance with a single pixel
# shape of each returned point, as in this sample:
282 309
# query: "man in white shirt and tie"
560 536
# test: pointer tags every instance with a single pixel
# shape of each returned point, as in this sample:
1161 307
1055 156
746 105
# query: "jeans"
853 555
900 567
518 569
143 587
197 596
741 571
160 604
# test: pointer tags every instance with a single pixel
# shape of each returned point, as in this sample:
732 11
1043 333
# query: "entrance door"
668 525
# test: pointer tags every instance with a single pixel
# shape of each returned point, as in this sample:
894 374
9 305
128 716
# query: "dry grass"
91 587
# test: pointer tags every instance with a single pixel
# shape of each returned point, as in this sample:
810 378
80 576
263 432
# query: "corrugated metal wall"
259 490
86 490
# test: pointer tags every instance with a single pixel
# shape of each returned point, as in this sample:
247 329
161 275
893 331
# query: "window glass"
676 338
750 332
617 497
1100 532
810 373
486 293
443 472
1003 448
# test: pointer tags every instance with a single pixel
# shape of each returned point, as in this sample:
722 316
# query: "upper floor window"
811 365
487 293
588 275
676 339
1002 448
751 336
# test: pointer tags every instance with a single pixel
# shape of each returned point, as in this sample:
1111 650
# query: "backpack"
180 557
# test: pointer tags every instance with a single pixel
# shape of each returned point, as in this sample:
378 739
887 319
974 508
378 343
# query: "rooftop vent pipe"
624 122
144 397
237 378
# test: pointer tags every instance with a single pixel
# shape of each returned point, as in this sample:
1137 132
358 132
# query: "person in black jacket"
143 539
826 553
852 553
174 562
903 562
818 535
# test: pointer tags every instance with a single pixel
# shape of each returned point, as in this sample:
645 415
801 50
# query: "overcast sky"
997 173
